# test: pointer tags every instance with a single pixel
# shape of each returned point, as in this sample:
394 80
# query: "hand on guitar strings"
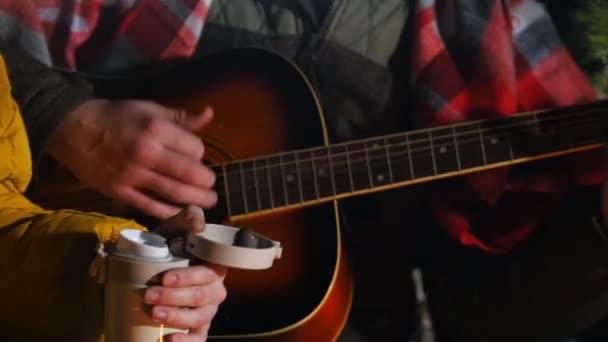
137 152
188 298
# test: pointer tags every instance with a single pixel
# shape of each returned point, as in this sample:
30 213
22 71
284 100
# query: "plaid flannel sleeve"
104 35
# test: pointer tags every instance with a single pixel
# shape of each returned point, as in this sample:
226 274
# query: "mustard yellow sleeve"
48 293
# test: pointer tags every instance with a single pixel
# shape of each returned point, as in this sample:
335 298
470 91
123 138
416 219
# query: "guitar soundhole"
268 117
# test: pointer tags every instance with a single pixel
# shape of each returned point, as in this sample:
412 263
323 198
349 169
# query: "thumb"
198 121
189 219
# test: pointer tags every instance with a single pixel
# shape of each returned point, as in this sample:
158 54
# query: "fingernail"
196 224
152 296
171 279
160 315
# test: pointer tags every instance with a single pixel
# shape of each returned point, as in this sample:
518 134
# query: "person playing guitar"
448 61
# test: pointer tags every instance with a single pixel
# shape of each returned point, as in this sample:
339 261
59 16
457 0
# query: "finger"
175 191
197 122
195 218
192 296
183 318
194 275
184 168
173 136
191 337
144 203
203 331
190 219
172 164
195 222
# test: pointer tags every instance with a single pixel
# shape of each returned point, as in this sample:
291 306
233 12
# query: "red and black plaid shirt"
481 59
111 34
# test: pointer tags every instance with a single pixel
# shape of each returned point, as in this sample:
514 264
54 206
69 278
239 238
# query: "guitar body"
262 105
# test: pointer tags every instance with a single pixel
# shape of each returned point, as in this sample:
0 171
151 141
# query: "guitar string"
413 150
475 129
362 170
283 202
394 157
301 189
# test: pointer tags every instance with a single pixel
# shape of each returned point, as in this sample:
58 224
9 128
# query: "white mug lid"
216 244
137 243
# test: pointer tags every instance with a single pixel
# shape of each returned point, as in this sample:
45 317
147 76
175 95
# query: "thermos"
136 263
139 258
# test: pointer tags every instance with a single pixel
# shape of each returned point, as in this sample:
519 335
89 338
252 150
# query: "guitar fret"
456 149
536 125
432 152
223 206
422 161
306 173
388 161
279 194
250 175
226 191
399 159
255 185
469 146
483 149
283 180
243 187
234 184
269 183
358 166
409 156
445 150
263 186
314 175
299 178
340 168
249 186
378 161
323 172
350 172
369 167
496 141
290 178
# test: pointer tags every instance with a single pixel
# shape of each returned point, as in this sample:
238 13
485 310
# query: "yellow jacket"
46 292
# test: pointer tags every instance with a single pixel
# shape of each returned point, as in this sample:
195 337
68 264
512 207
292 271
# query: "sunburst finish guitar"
278 174
262 105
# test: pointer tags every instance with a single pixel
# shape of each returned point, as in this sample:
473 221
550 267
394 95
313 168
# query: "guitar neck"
336 171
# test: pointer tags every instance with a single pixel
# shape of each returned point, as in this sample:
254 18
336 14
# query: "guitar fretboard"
361 166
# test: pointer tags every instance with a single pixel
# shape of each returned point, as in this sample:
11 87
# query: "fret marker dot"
290 178
494 141
380 177
321 172
375 145
443 149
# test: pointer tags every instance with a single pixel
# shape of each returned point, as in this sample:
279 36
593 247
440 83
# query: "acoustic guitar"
278 174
